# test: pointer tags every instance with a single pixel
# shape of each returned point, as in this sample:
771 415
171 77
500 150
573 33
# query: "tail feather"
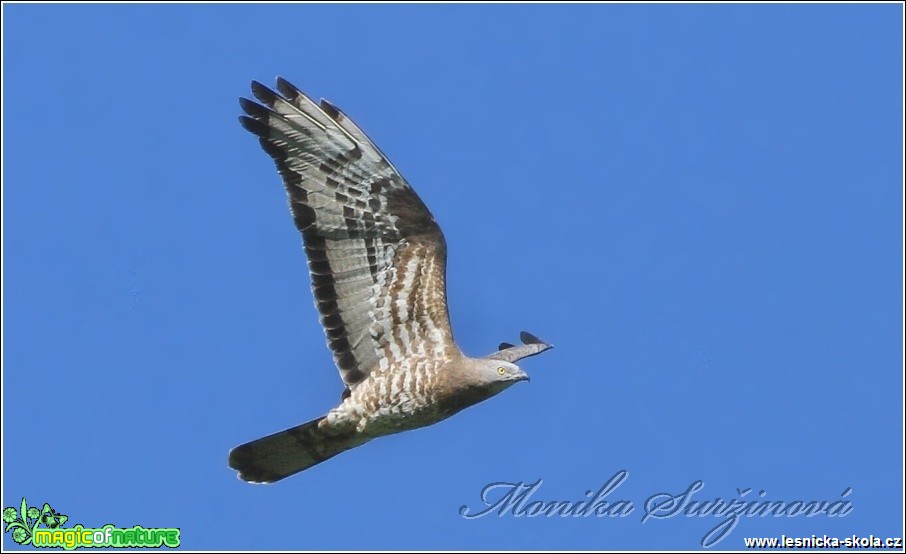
290 451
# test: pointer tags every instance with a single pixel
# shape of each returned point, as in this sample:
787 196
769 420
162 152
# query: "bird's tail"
290 451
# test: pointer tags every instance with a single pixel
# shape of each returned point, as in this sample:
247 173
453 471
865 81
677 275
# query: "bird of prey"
377 259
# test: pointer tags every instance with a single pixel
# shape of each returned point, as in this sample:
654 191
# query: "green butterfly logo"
25 521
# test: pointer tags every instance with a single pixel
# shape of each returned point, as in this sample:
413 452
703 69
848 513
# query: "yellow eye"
501 370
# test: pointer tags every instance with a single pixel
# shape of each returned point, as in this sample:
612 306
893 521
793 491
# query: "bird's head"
498 375
498 370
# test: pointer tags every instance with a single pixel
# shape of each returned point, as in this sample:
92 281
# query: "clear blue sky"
700 206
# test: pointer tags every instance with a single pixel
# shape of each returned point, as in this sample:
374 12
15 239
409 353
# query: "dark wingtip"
505 345
330 109
263 93
254 109
253 126
529 338
287 89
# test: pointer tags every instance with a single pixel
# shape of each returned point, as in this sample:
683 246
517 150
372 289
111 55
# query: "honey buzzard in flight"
377 260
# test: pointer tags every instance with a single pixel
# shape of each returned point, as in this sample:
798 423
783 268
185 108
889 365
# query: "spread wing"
376 255
531 345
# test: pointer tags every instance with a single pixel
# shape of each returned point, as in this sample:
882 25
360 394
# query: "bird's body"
377 260
406 398
392 400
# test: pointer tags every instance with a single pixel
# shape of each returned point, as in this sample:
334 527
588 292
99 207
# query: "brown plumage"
377 260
